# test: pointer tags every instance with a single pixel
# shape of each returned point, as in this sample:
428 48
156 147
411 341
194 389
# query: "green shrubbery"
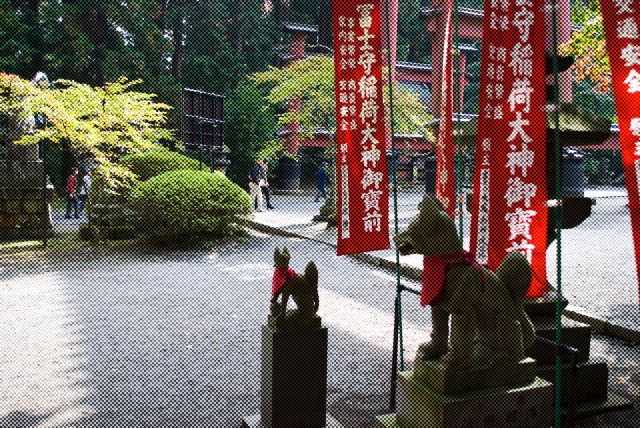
180 205
149 164
108 201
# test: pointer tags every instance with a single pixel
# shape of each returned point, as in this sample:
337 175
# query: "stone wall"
22 211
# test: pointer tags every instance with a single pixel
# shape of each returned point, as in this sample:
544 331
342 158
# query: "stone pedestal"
447 380
420 405
294 379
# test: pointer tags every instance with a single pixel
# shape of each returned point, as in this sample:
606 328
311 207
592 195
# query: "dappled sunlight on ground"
43 351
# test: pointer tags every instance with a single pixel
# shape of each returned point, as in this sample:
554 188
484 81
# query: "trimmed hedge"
109 206
150 164
179 205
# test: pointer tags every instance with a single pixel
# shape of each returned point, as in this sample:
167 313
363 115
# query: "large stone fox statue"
489 326
302 288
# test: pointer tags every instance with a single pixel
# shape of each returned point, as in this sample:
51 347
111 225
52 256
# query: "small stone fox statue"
302 288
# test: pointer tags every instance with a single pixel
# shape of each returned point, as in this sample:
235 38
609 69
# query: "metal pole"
200 146
558 208
45 201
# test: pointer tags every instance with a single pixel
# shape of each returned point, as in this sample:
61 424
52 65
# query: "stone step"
574 334
545 305
614 403
591 382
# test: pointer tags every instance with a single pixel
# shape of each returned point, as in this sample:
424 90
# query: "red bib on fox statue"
280 276
434 274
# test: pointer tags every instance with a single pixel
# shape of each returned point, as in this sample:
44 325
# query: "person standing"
322 180
264 182
254 187
71 194
84 191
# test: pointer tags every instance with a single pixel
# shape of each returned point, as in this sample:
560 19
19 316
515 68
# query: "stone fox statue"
302 288
488 323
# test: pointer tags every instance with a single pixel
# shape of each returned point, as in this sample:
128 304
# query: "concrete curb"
577 313
602 325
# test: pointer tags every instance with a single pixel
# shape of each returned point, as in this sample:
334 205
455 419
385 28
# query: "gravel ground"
139 338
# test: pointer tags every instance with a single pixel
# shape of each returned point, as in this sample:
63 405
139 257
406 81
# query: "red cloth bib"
280 276
434 274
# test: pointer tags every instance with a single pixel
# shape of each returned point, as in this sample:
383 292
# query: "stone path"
100 337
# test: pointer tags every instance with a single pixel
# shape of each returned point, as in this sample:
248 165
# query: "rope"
398 340
458 92
558 187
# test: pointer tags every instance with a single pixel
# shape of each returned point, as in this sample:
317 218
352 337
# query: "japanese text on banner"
509 204
363 202
621 22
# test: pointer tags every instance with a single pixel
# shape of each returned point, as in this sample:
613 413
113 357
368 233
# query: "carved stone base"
292 323
255 422
420 406
446 381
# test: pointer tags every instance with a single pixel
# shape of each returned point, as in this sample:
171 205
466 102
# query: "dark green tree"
250 125
20 37
226 40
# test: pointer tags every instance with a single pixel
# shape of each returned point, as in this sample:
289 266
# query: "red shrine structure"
424 79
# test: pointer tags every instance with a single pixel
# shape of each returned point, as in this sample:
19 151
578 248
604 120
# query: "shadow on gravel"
173 339
22 419
176 341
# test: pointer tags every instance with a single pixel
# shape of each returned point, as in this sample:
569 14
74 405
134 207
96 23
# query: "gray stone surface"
526 405
255 422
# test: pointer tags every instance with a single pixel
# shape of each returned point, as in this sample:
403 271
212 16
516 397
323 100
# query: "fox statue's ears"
430 204
281 254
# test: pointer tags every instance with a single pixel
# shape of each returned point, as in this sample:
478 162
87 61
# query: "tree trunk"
100 33
176 58
281 11
325 23
36 36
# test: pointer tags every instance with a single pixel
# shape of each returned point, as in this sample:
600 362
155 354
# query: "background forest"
214 45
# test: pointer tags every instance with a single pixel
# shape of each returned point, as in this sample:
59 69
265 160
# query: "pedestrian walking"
264 182
322 180
71 194
254 187
83 193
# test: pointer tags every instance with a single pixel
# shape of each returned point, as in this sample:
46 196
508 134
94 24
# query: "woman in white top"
83 192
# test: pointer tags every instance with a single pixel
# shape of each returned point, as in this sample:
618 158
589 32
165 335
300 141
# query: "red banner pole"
445 180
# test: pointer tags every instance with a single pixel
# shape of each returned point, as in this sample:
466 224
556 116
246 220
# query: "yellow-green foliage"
311 80
182 204
95 122
587 46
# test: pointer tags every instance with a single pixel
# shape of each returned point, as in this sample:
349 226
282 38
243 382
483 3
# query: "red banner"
510 189
621 23
445 184
362 191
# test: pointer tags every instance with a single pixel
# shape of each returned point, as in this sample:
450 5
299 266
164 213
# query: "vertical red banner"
361 164
621 23
445 179
509 202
